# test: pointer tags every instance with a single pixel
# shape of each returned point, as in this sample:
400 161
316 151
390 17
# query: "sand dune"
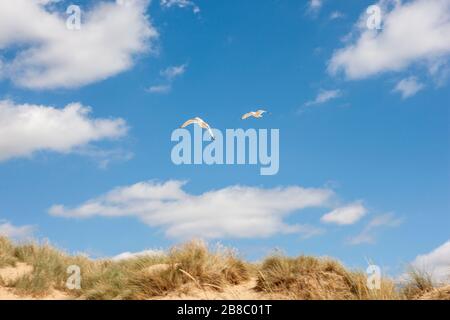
193 271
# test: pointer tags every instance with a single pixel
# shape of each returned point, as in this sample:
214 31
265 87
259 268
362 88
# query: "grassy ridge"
194 265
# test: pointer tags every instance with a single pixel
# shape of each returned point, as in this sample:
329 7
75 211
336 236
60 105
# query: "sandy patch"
9 294
9 274
243 291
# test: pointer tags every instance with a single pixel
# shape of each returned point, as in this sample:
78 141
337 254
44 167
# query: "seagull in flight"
200 122
255 114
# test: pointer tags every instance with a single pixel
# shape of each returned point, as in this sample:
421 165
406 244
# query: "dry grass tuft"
49 268
442 293
312 278
114 279
7 257
418 285
191 263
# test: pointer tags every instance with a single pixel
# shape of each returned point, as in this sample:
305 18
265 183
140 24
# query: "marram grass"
195 265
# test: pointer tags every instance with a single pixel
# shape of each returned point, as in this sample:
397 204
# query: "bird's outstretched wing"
211 133
203 124
190 121
247 115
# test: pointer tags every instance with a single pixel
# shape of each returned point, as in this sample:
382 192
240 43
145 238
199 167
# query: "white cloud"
144 253
314 6
368 234
324 96
346 215
173 72
439 69
169 74
408 87
163 88
104 157
15 232
436 263
307 231
180 4
27 128
235 211
48 55
336 15
412 32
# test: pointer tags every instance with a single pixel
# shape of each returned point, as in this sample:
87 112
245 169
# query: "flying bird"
255 114
200 122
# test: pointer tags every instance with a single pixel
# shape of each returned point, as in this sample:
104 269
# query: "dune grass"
191 263
307 277
419 283
195 265
7 257
136 278
49 268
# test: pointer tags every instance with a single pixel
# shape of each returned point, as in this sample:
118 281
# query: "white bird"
255 114
200 122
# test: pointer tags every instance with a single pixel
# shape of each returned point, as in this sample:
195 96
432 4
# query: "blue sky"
370 126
